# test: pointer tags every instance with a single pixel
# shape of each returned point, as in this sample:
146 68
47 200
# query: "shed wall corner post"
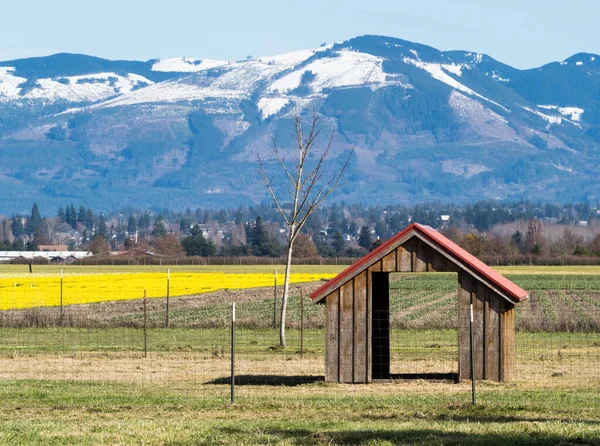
507 342
463 304
331 337
360 328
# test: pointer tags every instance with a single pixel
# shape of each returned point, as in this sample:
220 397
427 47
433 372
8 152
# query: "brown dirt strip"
170 369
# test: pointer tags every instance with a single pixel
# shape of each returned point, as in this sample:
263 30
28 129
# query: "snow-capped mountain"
425 124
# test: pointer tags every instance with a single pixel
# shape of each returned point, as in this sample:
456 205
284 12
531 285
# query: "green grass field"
81 413
90 382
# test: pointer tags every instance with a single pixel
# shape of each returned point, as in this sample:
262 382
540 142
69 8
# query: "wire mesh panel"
260 357
112 327
558 338
423 324
93 338
165 327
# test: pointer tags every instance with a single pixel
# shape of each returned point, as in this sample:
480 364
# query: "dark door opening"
380 336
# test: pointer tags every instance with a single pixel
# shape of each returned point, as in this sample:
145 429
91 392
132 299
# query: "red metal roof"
446 245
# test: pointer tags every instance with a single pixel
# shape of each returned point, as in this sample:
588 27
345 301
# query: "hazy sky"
523 33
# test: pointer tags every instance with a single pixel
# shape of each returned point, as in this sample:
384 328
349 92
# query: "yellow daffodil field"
19 292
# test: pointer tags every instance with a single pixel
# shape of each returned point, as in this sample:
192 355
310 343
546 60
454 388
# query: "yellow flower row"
45 291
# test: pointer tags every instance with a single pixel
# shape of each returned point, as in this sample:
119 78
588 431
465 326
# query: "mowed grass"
82 413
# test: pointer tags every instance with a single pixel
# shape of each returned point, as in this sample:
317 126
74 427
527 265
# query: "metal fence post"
301 324
275 300
61 296
233 353
145 328
168 295
474 399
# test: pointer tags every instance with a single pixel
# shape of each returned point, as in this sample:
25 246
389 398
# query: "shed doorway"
415 326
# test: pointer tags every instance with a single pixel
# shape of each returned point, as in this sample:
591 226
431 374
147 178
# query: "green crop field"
94 380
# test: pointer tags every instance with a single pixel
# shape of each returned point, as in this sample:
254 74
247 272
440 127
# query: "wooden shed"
357 303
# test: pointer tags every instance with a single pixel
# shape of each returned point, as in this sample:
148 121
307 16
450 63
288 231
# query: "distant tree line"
337 230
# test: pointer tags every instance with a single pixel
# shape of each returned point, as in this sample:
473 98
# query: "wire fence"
105 330
99 327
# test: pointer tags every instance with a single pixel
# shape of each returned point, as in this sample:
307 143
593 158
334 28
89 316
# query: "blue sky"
523 33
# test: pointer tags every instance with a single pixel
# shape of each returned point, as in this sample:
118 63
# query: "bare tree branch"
270 189
281 160
308 188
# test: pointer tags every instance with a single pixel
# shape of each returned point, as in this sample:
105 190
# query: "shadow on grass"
426 376
281 380
268 380
474 417
414 436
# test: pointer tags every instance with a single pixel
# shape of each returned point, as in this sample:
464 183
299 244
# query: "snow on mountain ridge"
482 120
288 59
185 65
238 80
440 72
170 92
497 77
347 69
87 88
270 106
83 88
9 84
556 119
574 113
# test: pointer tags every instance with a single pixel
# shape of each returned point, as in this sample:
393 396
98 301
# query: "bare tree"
534 239
310 183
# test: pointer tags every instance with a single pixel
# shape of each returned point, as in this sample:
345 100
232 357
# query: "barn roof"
445 246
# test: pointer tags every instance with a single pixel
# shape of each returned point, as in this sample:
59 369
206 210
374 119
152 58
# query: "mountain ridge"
425 124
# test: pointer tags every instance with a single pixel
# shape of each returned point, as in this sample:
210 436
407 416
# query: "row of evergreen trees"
336 230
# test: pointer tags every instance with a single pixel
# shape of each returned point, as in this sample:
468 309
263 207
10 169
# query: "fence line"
195 339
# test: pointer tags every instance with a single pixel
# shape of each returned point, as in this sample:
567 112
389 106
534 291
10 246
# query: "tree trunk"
286 289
